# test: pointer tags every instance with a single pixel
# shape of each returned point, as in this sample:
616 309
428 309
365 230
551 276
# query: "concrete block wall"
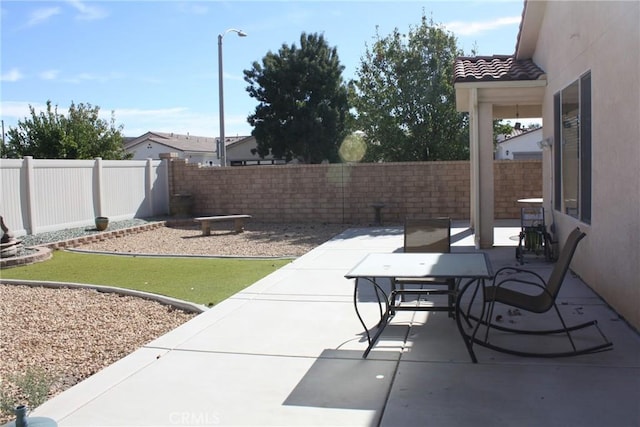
513 180
345 193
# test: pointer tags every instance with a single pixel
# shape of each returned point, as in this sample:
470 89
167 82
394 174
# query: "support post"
484 227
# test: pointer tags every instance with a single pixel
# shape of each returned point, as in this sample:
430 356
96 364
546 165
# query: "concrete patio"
287 351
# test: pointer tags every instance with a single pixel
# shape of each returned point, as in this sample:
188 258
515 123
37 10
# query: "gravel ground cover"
258 239
71 233
68 335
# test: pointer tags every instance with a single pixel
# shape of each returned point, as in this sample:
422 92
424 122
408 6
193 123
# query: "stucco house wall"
603 38
239 152
196 149
152 150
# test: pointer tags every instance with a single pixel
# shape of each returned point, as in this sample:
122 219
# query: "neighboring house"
521 144
576 65
197 149
242 152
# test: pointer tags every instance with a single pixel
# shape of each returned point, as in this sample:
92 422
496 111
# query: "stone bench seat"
238 222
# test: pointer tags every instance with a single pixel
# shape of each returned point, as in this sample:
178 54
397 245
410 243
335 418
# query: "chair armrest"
517 270
522 276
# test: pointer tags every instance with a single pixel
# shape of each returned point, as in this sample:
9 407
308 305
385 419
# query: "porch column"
485 209
473 156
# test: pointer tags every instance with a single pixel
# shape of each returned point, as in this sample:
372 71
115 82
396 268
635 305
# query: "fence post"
30 200
169 178
97 187
148 186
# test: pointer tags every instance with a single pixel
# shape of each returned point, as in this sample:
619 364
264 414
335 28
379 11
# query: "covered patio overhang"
486 101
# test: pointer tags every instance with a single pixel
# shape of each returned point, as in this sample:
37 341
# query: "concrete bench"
205 222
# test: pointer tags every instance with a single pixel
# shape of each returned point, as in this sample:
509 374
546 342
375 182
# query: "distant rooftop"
181 142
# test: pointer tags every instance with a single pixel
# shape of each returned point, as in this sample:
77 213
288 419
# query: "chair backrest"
427 235
562 265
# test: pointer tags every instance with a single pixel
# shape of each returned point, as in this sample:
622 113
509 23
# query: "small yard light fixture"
222 148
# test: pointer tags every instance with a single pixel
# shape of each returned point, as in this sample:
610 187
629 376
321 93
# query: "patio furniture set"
428 267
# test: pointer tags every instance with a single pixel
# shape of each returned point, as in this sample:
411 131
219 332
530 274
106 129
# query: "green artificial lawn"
200 280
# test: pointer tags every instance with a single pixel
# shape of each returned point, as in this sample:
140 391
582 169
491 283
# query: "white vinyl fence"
49 195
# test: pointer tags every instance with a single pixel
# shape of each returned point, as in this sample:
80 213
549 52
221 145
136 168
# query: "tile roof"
495 68
516 132
190 143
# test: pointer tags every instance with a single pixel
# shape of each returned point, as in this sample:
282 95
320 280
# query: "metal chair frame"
540 303
441 243
533 234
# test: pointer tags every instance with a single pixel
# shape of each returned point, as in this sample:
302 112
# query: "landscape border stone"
186 306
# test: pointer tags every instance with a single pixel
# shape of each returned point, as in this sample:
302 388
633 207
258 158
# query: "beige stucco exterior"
567 40
603 38
240 152
486 101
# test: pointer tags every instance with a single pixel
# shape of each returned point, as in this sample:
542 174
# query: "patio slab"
287 351
463 394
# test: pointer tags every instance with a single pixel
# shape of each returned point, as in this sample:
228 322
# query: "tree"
303 103
80 135
501 128
405 100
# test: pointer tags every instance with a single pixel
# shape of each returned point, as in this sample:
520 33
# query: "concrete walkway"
287 350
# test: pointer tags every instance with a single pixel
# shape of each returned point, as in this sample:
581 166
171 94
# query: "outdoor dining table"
474 266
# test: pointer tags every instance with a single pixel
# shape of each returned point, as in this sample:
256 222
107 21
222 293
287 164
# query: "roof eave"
532 16
480 84
522 97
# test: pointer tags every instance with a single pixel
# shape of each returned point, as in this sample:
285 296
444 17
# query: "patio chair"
427 235
540 301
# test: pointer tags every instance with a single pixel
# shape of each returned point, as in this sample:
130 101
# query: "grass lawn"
200 280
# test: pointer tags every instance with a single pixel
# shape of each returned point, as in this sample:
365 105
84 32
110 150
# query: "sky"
154 64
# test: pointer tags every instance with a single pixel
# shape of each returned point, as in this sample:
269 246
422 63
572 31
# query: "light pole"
222 148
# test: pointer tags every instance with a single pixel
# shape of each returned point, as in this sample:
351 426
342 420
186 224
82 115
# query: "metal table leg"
384 315
469 339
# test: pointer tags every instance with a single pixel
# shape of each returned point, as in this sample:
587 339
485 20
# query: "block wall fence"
345 193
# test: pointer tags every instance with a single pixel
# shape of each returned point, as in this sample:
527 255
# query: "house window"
572 152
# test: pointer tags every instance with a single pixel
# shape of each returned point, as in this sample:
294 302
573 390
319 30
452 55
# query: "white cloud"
39 16
13 111
230 76
194 8
175 119
49 74
12 75
153 113
86 12
179 120
471 28
92 77
137 121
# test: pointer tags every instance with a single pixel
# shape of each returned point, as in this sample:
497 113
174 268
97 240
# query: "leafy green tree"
80 135
501 127
405 100
303 103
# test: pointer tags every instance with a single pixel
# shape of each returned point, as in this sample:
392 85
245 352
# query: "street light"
222 150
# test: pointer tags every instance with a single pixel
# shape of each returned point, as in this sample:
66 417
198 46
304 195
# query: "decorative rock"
8 244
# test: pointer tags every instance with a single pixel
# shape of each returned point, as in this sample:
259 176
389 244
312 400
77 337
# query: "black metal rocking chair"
543 301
